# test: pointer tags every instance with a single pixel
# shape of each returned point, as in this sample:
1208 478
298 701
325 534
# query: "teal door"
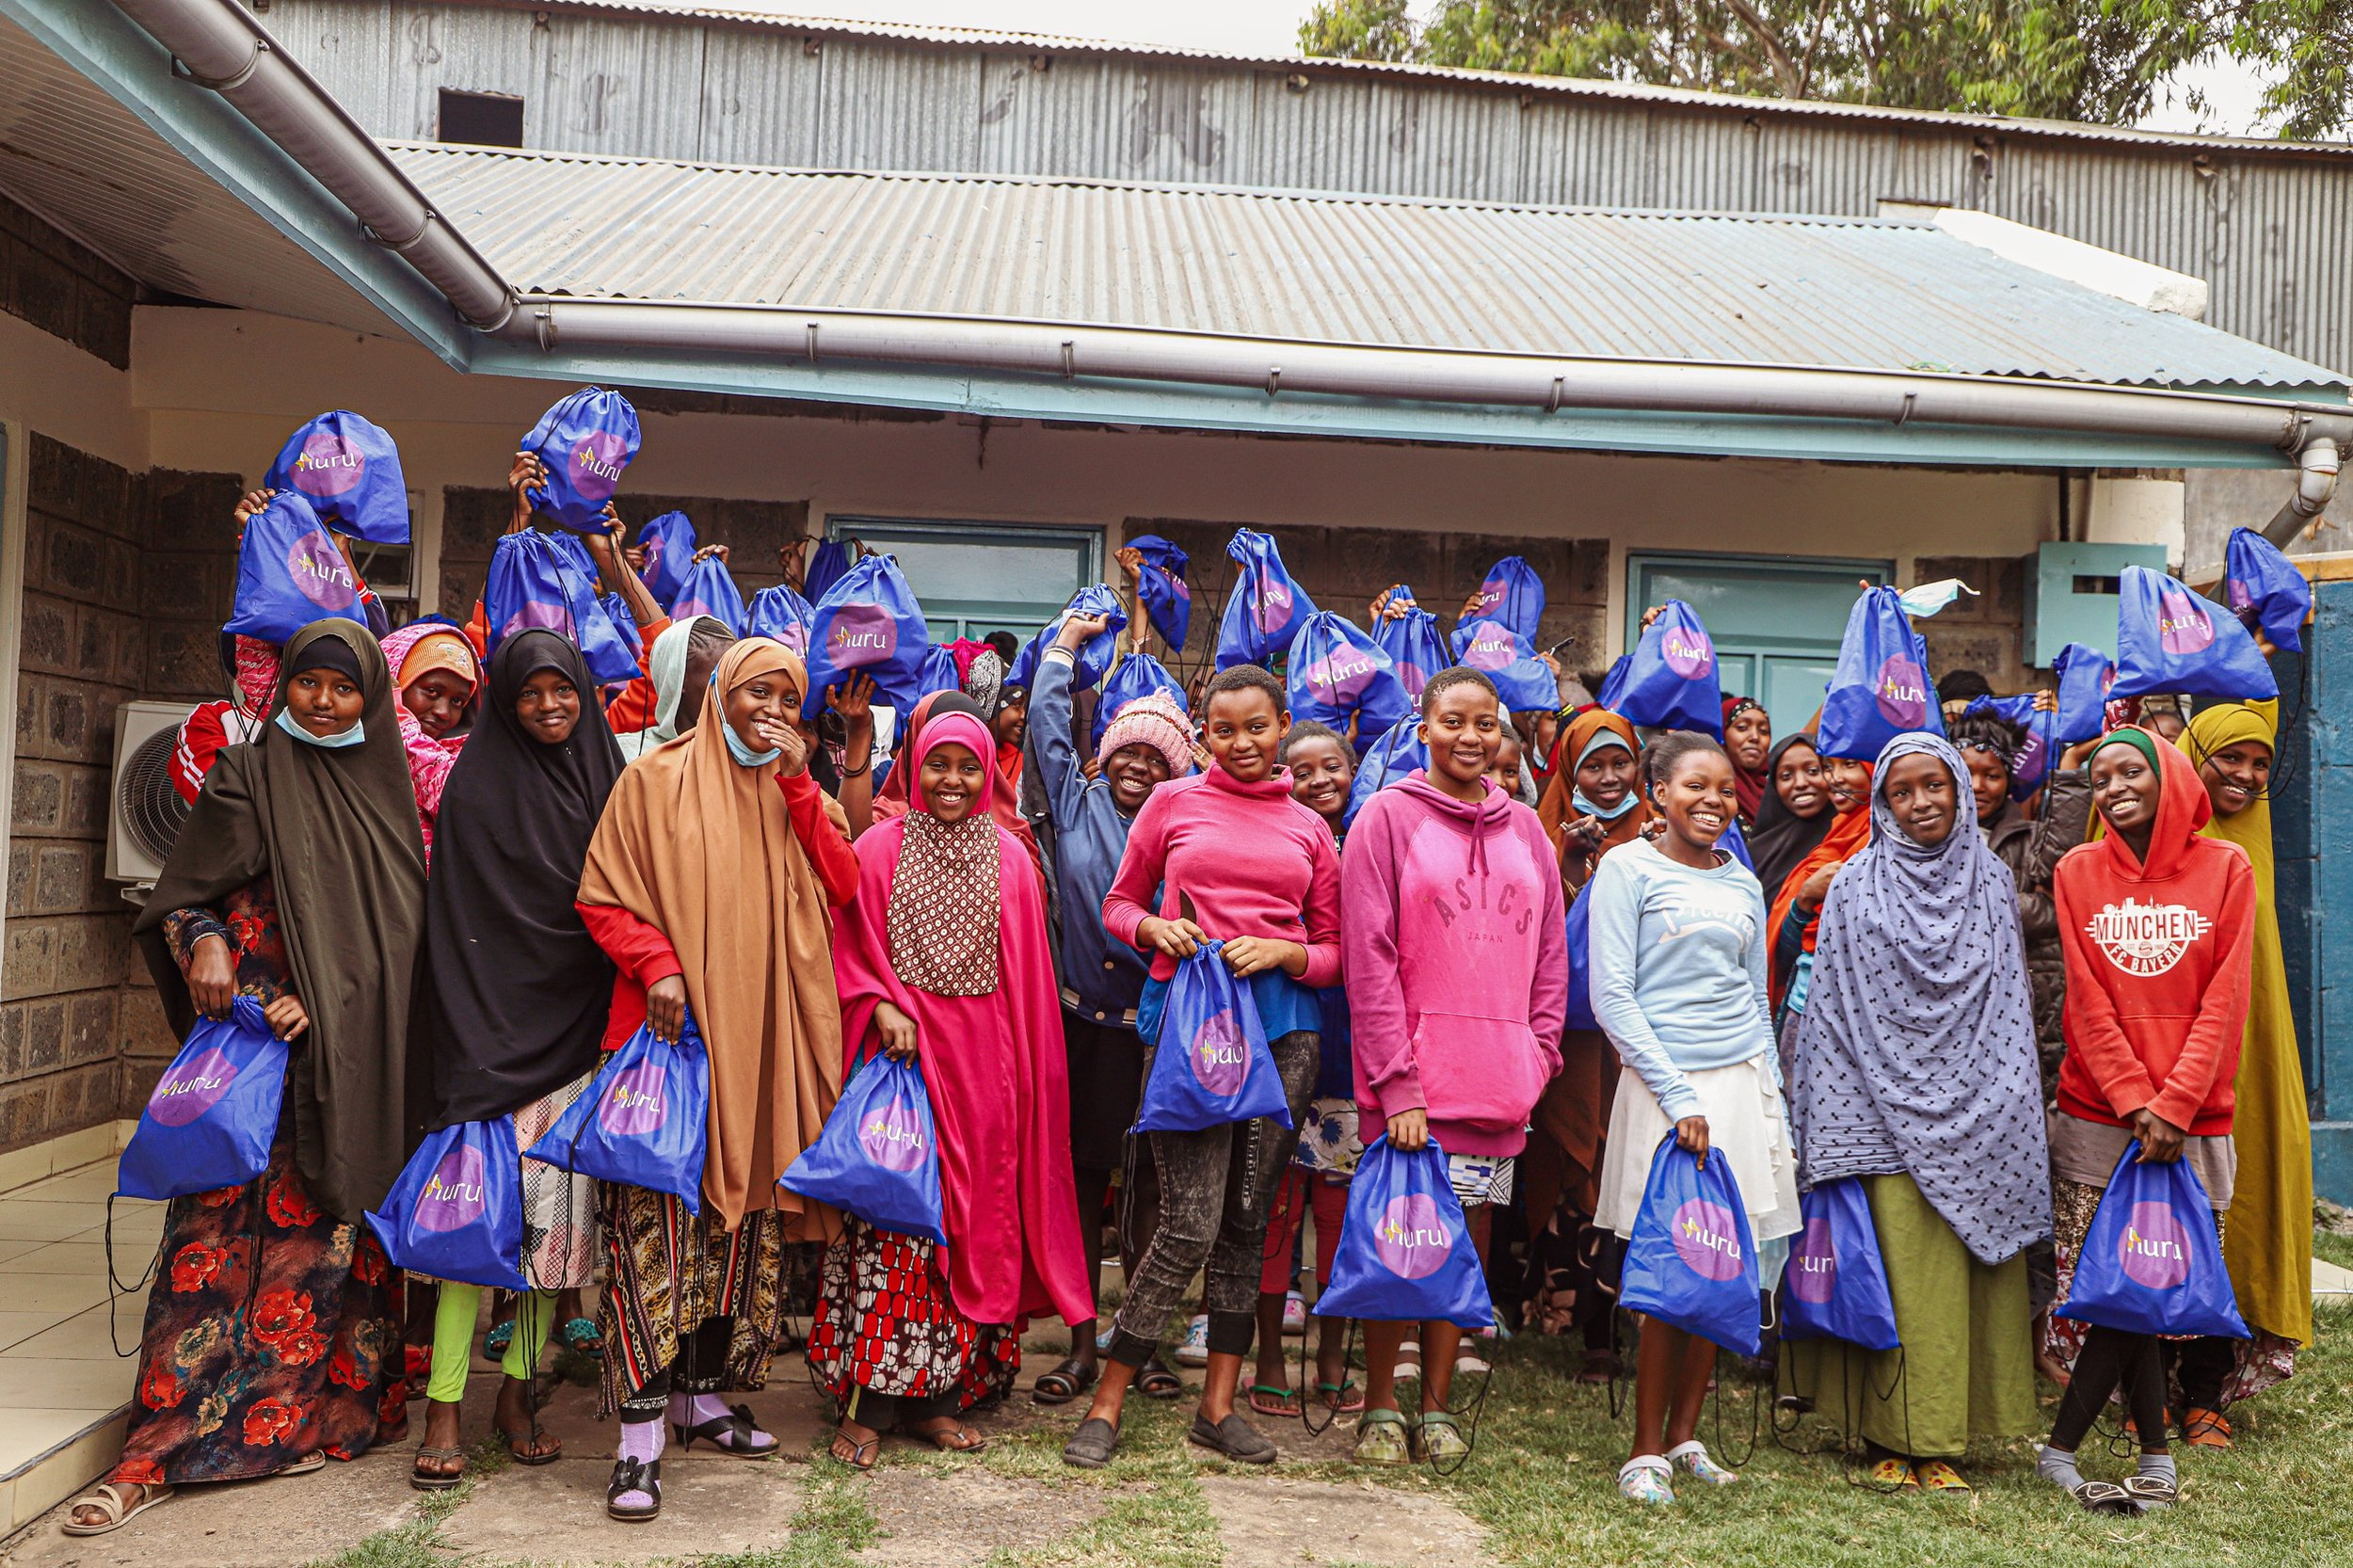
1775 621
974 579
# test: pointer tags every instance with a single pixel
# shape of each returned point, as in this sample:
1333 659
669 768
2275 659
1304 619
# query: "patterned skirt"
885 1323
668 1273
559 1208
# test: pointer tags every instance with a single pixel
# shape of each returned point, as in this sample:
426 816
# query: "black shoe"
635 1475
739 1428
1234 1438
1092 1446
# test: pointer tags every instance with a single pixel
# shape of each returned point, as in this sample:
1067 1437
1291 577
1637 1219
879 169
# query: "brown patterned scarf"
944 898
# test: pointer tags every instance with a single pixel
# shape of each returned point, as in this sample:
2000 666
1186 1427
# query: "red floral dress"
885 1323
270 1335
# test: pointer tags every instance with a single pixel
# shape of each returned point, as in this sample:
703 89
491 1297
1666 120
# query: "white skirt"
1746 1125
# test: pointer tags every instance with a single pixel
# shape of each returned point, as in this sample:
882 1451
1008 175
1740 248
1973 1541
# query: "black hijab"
335 829
514 992
1782 838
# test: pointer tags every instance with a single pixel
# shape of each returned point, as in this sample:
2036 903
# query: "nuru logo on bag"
1275 604
329 465
634 1104
2182 626
1902 693
187 1092
1491 650
595 464
1342 675
2156 1249
1411 1240
454 1194
316 568
891 1136
1707 1239
860 635
1221 1054
1814 1264
1412 676
1687 652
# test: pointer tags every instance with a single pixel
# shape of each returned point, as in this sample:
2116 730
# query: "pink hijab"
995 1066
429 760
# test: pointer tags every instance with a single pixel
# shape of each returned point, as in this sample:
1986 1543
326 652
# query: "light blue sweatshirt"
1678 967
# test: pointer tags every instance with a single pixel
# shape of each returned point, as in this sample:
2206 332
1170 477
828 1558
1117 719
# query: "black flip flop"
1064 1384
1153 1381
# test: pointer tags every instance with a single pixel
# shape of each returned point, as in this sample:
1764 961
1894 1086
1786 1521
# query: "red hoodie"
2157 966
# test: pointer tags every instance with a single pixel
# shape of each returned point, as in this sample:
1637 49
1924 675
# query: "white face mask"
352 737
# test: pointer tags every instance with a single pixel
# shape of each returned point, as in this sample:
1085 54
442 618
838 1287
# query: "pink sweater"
1254 862
1458 963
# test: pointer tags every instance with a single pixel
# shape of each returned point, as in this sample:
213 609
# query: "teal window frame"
1640 566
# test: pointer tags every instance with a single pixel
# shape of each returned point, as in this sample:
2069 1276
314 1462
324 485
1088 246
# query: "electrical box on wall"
2071 595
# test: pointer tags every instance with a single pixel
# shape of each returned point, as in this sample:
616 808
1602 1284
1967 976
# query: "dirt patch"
955 1519
1272 1523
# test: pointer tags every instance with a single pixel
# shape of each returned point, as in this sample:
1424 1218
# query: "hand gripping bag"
348 470
2033 762
1138 675
1405 1253
1265 609
2257 577
214 1113
1417 651
1167 598
1525 683
1692 1259
290 573
2085 676
1836 1285
585 441
868 621
2152 1262
1335 672
1879 688
2169 639
456 1209
1670 680
1212 1066
643 1120
668 542
533 583
1396 755
781 614
878 1155
1514 595
1095 655
709 590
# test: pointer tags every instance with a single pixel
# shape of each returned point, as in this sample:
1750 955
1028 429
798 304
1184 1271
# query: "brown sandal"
437 1479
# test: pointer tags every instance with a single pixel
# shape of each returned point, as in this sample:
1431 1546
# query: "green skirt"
1966 1366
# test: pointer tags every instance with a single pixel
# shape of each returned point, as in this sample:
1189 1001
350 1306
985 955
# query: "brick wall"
472 519
1985 633
61 288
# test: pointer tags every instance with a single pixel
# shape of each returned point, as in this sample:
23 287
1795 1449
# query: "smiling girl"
1796 907
1591 805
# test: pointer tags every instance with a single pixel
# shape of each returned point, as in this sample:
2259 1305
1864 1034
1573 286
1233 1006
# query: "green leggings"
453 1338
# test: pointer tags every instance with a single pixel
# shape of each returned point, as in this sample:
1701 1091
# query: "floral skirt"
270 1337
885 1323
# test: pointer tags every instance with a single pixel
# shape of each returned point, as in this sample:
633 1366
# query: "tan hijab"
699 847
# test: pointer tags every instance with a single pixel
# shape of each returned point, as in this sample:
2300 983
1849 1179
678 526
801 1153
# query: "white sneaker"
1294 1315
1193 1351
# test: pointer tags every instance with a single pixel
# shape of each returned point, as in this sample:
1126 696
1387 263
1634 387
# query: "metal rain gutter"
215 45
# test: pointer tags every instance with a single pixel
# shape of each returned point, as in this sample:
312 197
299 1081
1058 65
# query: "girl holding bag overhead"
708 884
942 958
298 881
1678 983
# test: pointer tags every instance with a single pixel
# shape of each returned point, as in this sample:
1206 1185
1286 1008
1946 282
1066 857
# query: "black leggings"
2111 1356
702 1368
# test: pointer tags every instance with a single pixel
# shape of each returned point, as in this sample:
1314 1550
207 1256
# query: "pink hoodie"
1456 963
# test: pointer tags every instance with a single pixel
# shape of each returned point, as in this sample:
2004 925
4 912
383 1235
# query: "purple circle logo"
1220 1055
453 1195
794 635
2182 626
860 635
1687 652
191 1089
2156 1249
1491 647
537 614
317 570
1176 584
1412 1240
1707 1239
1902 691
1814 1264
2240 593
595 464
1492 593
635 1102
892 1135
653 558
1412 678
1273 604
1341 676
329 465
2029 762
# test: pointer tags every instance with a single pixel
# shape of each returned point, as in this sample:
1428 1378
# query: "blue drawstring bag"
668 542
2151 1262
1670 681
828 564
532 583
1578 924
878 1156
1879 689
1334 671
2169 639
1417 650
1405 1253
457 1210
1138 675
939 673
1692 1259
2257 577
585 441
1514 595
1167 599
1397 753
214 1113
641 1120
1212 1066
1735 843
1525 683
868 621
1095 655
1265 609
1835 1286
2033 762
624 624
290 573
348 470
781 614
2085 676
708 590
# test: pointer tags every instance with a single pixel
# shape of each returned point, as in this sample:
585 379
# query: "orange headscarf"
1556 807
1844 840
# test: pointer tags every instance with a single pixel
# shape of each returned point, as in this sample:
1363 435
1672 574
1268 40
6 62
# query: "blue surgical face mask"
352 737
1611 814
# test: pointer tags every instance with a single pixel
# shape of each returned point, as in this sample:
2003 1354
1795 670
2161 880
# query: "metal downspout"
2315 482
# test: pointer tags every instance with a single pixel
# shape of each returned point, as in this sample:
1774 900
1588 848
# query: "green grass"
833 1524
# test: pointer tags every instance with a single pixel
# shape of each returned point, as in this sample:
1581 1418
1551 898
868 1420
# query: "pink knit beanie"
1154 720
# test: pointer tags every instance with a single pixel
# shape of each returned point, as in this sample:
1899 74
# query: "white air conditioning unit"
145 811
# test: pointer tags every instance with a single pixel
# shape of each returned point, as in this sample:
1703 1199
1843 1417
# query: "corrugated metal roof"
1389 271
